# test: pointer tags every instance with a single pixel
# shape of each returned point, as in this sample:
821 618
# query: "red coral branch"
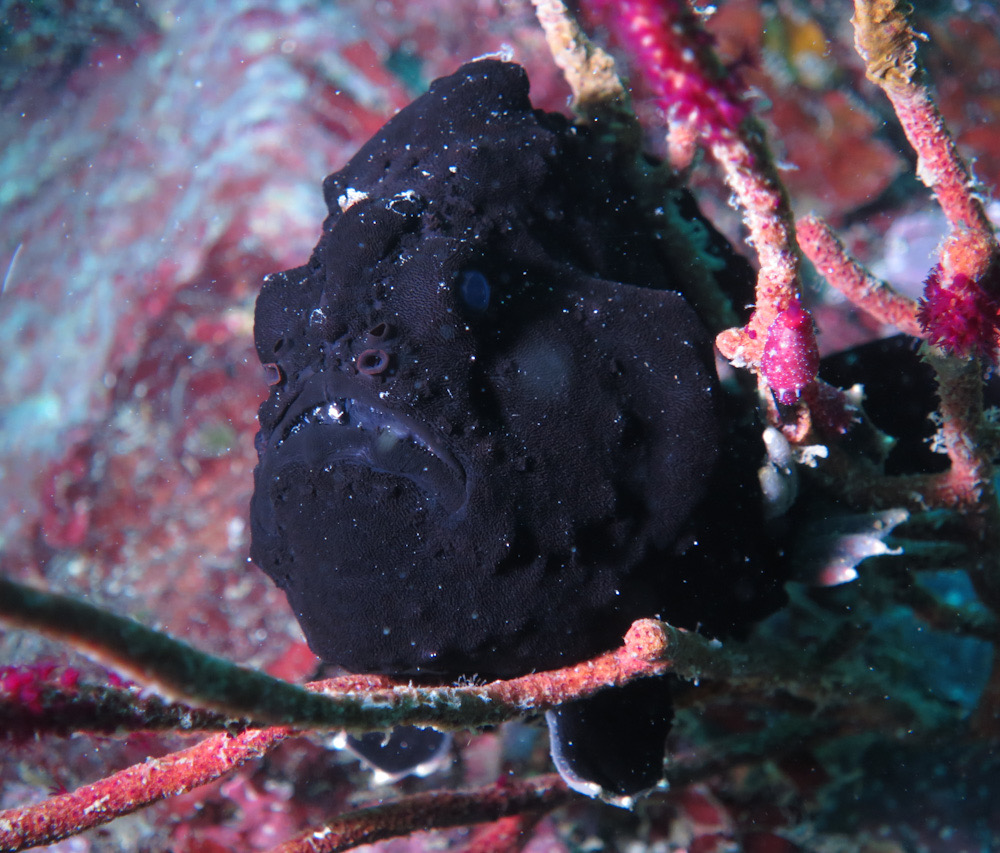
35 701
132 789
156 779
939 165
675 55
959 310
754 180
651 648
962 298
887 42
363 702
92 805
436 810
150 658
841 271
507 835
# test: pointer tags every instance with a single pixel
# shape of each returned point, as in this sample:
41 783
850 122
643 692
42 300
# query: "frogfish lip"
335 421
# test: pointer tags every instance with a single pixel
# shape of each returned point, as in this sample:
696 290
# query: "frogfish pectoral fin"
404 751
611 746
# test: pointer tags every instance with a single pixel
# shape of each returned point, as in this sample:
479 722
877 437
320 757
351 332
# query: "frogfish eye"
474 290
372 362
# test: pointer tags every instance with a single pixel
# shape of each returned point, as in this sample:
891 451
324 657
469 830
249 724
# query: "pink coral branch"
156 779
960 307
750 173
651 648
962 297
133 788
888 44
672 49
35 702
435 810
363 703
507 835
643 654
841 271
674 53
939 165
153 659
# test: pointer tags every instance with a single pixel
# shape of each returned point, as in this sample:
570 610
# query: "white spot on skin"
350 198
405 195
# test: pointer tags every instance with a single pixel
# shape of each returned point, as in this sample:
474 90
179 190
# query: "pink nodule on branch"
791 357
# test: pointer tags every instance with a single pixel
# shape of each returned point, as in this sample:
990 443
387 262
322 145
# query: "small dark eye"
474 290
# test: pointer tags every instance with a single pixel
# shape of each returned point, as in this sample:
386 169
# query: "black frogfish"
495 434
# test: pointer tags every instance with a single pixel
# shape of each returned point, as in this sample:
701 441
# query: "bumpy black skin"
500 488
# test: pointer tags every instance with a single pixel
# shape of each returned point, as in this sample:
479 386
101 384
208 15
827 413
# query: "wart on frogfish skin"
516 487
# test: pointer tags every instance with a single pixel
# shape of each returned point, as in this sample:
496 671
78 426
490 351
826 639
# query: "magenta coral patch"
791 357
24 686
962 317
669 48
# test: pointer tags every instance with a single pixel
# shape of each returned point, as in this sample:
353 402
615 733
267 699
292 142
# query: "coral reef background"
157 161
